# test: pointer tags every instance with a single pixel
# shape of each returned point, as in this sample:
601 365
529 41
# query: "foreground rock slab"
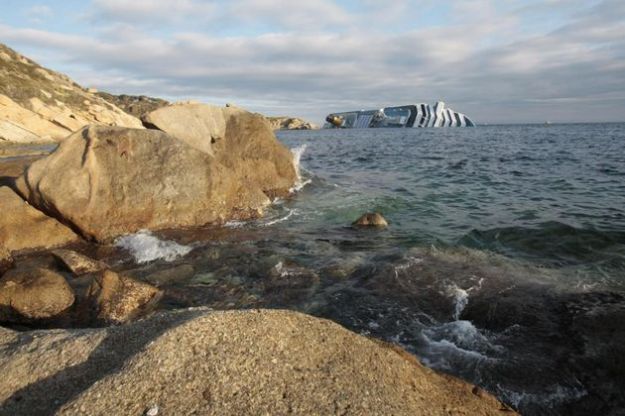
23 227
222 363
28 294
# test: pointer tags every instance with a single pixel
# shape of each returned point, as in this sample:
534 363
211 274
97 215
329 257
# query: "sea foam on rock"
202 362
110 181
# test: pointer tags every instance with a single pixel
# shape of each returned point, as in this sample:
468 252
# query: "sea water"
503 264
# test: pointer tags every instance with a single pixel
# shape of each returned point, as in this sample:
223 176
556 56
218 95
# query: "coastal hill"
40 105
290 123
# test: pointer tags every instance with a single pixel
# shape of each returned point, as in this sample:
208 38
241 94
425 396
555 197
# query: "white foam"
297 156
453 343
145 247
461 299
550 396
284 218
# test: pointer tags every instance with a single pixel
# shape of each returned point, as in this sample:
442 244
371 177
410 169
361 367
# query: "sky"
498 61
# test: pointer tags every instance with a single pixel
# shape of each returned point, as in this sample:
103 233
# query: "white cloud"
487 65
38 13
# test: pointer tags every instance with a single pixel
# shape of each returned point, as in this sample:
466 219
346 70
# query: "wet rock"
371 219
172 275
28 294
23 227
110 181
78 263
225 363
117 299
6 261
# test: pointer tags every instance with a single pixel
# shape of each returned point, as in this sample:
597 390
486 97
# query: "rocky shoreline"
81 335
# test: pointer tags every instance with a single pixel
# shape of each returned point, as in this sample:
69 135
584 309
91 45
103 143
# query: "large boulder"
23 227
241 141
28 294
223 363
116 299
109 181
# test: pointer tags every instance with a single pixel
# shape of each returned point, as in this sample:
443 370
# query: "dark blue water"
504 261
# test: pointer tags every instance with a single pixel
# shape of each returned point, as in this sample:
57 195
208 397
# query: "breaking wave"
300 183
145 247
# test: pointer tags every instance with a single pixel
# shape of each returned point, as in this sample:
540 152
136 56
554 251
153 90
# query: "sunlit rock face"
419 115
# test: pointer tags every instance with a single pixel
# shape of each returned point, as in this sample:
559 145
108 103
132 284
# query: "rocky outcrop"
135 105
109 181
115 299
223 363
290 123
38 105
28 294
22 227
240 141
371 219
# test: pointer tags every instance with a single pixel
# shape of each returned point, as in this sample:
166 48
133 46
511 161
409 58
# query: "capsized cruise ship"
419 115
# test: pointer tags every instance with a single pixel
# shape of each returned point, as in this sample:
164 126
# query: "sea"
503 262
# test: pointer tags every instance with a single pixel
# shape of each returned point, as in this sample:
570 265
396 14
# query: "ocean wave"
301 182
145 247
551 242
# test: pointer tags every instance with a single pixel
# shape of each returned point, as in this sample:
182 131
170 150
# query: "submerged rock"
77 263
28 294
371 219
110 181
23 227
171 275
223 363
116 299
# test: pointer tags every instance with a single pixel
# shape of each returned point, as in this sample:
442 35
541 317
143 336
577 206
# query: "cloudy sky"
495 60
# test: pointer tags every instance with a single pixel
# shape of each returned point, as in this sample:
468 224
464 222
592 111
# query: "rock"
109 181
224 363
172 275
77 263
40 105
22 227
371 219
135 105
241 141
118 299
28 294
290 123
6 261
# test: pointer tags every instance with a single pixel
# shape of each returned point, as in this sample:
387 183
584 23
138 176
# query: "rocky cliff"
290 123
135 105
39 105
